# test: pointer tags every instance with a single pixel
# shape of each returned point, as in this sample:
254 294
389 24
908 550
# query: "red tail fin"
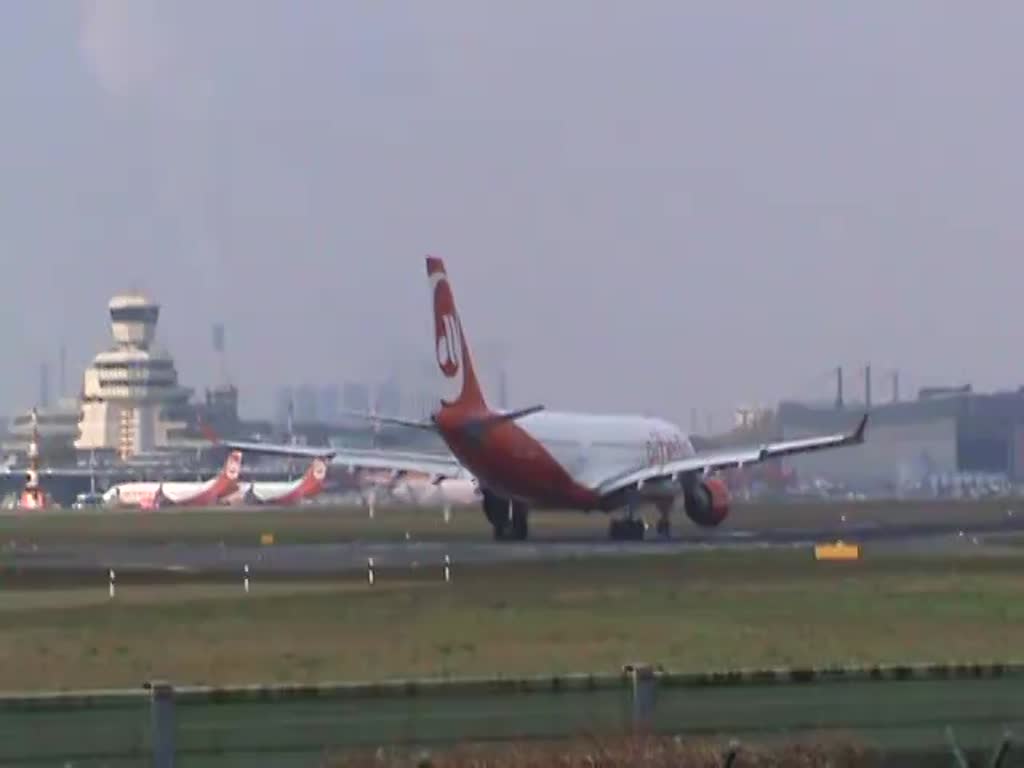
232 466
453 357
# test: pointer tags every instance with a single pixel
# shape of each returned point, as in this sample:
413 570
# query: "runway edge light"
836 551
266 539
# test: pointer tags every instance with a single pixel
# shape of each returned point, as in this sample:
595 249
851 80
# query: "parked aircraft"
416 488
152 495
287 493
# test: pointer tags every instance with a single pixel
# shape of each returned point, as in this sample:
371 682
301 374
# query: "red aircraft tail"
462 389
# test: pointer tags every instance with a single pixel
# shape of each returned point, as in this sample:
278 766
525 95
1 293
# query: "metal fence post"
161 709
642 685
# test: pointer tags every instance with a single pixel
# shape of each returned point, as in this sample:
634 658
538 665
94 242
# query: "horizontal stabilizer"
475 428
392 420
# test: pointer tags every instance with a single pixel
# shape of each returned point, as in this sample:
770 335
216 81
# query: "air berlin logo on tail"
448 345
234 466
447 331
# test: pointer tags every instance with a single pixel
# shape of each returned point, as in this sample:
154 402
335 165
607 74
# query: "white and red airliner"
417 488
153 495
535 458
287 493
283 493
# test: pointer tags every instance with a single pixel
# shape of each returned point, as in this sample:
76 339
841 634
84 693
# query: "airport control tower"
129 389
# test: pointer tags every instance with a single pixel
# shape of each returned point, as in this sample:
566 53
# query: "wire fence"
964 711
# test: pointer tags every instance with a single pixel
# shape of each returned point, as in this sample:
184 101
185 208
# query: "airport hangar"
944 432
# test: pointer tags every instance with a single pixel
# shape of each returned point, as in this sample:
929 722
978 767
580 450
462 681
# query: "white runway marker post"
447 569
447 514
111 576
369 571
246 578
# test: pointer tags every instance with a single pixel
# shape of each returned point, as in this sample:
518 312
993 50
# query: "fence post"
161 710
642 685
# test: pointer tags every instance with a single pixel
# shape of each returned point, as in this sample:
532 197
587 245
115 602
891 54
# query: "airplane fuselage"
144 494
559 459
194 494
422 491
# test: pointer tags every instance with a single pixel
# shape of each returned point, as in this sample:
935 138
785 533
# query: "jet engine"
707 502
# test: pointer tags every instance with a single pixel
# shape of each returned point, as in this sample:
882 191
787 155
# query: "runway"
327 558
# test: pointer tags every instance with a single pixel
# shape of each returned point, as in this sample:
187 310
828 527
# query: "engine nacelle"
707 502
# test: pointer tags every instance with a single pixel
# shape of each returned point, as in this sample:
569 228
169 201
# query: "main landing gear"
633 528
628 528
509 519
664 524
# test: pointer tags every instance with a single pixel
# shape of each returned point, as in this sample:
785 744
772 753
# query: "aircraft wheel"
626 530
520 522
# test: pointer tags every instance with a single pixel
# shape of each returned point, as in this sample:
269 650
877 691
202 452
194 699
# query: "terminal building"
56 427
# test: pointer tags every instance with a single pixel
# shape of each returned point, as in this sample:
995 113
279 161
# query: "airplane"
153 495
533 458
417 488
287 493
276 493
422 490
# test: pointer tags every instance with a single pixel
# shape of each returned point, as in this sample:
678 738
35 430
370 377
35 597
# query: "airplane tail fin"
454 361
232 467
315 476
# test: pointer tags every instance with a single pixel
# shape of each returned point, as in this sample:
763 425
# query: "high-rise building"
306 410
330 401
284 405
355 396
388 401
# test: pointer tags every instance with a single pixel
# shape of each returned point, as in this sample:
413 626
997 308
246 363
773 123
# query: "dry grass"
652 752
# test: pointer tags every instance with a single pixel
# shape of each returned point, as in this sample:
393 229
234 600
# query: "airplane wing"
439 466
729 458
431 425
280 449
394 421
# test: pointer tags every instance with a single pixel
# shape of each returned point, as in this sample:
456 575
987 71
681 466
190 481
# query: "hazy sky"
650 205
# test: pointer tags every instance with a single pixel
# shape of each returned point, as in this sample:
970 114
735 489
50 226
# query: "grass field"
318 524
714 609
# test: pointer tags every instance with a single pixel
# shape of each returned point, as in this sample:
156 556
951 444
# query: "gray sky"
651 206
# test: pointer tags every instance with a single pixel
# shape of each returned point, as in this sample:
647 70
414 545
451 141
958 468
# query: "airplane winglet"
857 436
